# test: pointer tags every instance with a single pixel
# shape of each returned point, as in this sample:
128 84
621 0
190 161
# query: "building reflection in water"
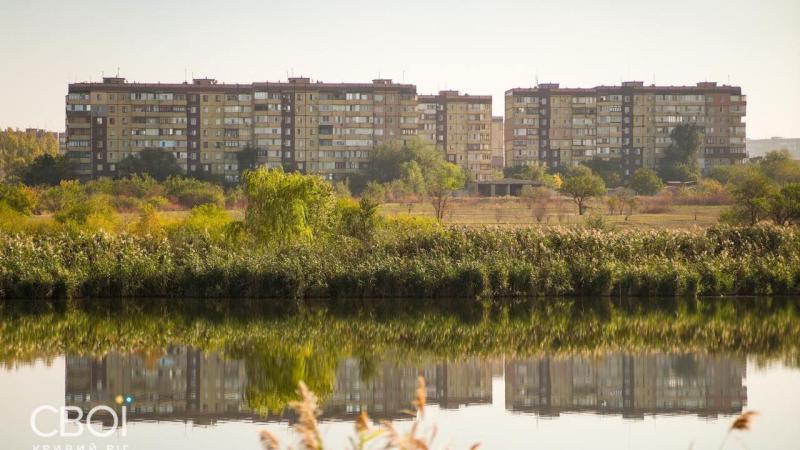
631 385
185 384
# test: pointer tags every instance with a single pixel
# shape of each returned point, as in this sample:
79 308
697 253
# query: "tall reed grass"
436 262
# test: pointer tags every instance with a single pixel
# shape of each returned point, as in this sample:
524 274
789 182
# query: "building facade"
760 147
498 143
630 123
460 125
315 127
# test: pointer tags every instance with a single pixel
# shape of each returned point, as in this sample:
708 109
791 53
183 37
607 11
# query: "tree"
441 181
19 148
609 171
680 158
532 172
645 182
47 170
621 201
287 207
537 199
159 164
780 167
784 205
247 159
581 184
752 191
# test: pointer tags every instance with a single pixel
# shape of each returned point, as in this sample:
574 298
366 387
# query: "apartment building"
498 143
460 125
630 123
316 127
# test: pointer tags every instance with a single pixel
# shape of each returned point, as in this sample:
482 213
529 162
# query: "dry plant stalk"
742 423
307 427
307 411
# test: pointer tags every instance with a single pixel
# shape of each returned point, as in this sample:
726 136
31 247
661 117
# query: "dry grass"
512 211
386 437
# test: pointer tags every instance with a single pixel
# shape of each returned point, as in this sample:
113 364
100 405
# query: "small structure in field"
504 187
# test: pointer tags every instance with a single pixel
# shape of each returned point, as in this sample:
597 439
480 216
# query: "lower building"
760 147
631 123
460 125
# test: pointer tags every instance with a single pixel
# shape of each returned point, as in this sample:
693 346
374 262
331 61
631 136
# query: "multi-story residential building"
460 125
498 143
631 123
326 128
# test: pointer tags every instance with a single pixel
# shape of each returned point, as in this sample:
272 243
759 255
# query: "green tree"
287 207
581 184
752 192
646 182
441 181
680 158
247 159
47 169
533 173
159 164
609 171
780 167
784 205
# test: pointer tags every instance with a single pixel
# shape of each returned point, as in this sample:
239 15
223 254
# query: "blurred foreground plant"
386 436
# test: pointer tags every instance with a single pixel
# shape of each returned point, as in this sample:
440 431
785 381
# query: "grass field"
512 211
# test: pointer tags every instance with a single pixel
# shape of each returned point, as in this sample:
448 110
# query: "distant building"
631 123
460 125
315 127
498 144
759 147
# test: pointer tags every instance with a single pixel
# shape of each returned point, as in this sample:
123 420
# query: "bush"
18 197
189 192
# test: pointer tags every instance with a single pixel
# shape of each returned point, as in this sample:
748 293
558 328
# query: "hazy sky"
476 47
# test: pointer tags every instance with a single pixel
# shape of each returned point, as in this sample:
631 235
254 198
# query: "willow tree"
287 207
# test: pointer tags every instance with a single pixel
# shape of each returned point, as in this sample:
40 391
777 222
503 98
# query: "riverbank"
407 262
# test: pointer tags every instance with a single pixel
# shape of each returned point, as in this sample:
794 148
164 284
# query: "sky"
477 47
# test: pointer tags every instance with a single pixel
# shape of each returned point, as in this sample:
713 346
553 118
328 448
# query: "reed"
421 262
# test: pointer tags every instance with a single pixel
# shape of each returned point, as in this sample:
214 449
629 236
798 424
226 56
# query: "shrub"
18 197
189 192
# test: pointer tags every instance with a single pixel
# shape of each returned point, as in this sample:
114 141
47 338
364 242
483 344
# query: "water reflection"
186 384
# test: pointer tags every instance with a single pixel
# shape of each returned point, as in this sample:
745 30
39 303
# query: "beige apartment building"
315 127
631 123
460 125
498 143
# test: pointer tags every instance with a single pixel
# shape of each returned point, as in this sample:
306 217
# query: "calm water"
183 397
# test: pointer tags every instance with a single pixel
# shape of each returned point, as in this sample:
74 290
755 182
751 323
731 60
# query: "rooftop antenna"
117 71
403 77
185 78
